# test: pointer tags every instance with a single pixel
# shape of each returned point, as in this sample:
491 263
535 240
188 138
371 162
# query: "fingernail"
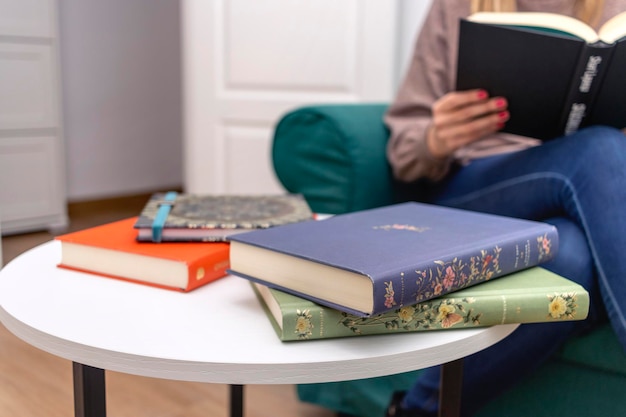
501 102
482 94
503 115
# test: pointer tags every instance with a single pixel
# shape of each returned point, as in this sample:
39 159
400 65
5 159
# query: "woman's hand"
462 117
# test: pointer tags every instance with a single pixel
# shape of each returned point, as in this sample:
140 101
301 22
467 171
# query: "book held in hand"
378 260
112 250
534 295
176 217
557 74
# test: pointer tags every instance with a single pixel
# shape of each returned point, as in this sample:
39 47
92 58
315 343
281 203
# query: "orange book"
112 250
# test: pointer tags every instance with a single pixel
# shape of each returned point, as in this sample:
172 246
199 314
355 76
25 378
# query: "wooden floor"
34 383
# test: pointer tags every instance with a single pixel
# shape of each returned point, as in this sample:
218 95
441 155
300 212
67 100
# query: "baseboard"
91 207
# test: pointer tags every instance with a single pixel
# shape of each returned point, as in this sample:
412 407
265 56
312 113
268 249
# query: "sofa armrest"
334 155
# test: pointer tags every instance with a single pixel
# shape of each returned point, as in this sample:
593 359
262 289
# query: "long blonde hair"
586 10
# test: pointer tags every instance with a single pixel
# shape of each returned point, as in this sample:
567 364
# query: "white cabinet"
32 174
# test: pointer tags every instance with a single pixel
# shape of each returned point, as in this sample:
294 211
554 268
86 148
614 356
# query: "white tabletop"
218 333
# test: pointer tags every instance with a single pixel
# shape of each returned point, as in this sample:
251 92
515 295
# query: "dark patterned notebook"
177 217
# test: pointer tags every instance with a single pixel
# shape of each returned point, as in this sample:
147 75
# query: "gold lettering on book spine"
591 70
576 115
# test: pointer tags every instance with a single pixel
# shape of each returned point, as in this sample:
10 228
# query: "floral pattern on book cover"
450 312
446 276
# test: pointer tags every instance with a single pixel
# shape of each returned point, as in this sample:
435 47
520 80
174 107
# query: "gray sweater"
431 74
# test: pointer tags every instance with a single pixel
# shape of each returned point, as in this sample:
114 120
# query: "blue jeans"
577 183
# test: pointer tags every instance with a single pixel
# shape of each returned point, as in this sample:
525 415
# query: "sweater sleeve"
429 76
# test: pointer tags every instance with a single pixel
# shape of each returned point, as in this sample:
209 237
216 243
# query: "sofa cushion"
334 156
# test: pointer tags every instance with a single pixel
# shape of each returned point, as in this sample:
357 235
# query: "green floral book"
530 296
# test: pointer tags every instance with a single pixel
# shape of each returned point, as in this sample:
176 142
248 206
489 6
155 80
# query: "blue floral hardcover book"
377 260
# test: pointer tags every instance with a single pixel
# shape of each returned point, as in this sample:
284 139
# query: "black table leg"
89 391
451 389
236 400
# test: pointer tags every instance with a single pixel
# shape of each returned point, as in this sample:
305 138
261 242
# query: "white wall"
410 19
121 73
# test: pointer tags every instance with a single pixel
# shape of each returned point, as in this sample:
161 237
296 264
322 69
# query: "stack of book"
402 268
405 267
179 241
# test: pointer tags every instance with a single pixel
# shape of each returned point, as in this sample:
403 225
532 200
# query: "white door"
245 63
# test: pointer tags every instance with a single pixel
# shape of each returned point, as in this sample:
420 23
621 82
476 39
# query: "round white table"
218 333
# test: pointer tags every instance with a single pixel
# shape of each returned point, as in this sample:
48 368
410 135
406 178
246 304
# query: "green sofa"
335 156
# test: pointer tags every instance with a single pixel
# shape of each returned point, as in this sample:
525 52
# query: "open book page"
614 29
555 22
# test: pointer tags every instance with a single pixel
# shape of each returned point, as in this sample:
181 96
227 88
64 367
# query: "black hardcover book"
557 74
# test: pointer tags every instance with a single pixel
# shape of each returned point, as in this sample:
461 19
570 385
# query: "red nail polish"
503 114
501 102
482 94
